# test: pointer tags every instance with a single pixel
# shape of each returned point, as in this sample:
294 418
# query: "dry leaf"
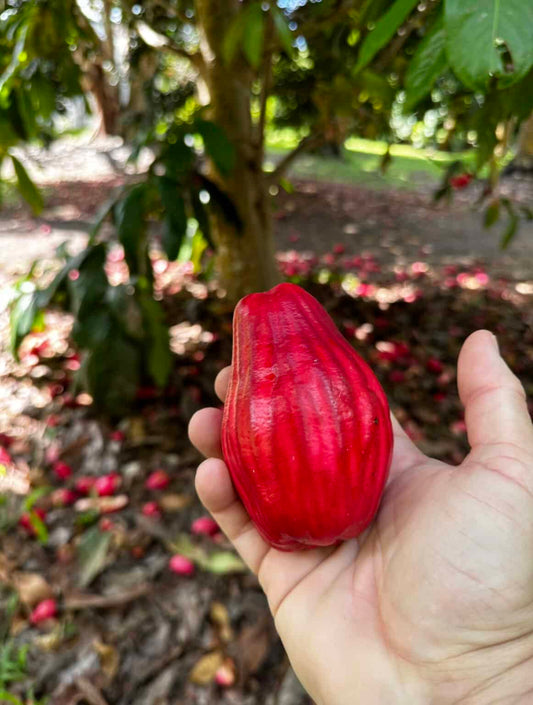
204 670
109 658
220 617
31 587
252 646
50 642
104 505
174 502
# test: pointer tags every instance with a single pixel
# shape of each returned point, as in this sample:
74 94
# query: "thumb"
494 400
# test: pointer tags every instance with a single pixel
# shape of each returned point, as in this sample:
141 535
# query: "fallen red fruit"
61 470
107 484
152 510
84 485
63 497
117 436
434 365
47 609
204 526
158 480
180 565
460 181
306 429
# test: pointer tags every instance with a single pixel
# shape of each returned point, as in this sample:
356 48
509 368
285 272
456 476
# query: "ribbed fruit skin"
306 431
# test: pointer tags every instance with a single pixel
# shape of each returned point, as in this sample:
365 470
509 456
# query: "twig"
153 669
306 143
90 692
81 602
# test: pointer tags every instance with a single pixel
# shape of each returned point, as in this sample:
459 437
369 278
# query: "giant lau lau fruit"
306 430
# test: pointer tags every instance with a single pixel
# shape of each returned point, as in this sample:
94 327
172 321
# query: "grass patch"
409 168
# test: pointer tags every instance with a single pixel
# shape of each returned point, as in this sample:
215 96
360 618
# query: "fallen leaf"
92 554
31 587
252 646
109 658
205 669
223 562
174 502
104 505
220 617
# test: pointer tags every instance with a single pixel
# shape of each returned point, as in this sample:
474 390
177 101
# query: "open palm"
434 602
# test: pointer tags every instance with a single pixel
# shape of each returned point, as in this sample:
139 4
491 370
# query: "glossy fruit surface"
306 430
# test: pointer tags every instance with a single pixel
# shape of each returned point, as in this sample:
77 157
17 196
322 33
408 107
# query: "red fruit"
306 430
5 458
152 510
180 565
397 376
105 524
158 480
47 609
204 526
339 249
84 485
460 181
61 470
107 484
434 365
63 497
118 436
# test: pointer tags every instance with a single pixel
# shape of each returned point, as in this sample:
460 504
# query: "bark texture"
246 259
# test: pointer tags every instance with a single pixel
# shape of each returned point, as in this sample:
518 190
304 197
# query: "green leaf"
23 315
254 34
112 372
92 554
217 145
426 65
384 31
512 226
131 227
222 563
489 39
29 192
157 339
89 287
103 213
38 526
282 28
175 226
492 214
14 64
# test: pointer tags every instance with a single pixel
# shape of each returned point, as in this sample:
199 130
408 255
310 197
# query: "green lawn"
409 168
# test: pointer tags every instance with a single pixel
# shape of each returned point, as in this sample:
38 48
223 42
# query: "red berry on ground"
62 470
204 526
158 480
152 510
180 565
107 485
47 609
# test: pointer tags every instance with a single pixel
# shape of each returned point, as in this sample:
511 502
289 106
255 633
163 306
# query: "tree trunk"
246 260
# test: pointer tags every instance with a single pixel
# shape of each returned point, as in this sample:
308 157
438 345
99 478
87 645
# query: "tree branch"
314 140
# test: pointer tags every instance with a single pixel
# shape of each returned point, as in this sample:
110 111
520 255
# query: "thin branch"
314 140
91 601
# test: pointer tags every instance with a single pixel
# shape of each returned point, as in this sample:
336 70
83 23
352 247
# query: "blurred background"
159 160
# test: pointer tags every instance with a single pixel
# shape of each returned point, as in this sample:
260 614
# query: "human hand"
433 604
